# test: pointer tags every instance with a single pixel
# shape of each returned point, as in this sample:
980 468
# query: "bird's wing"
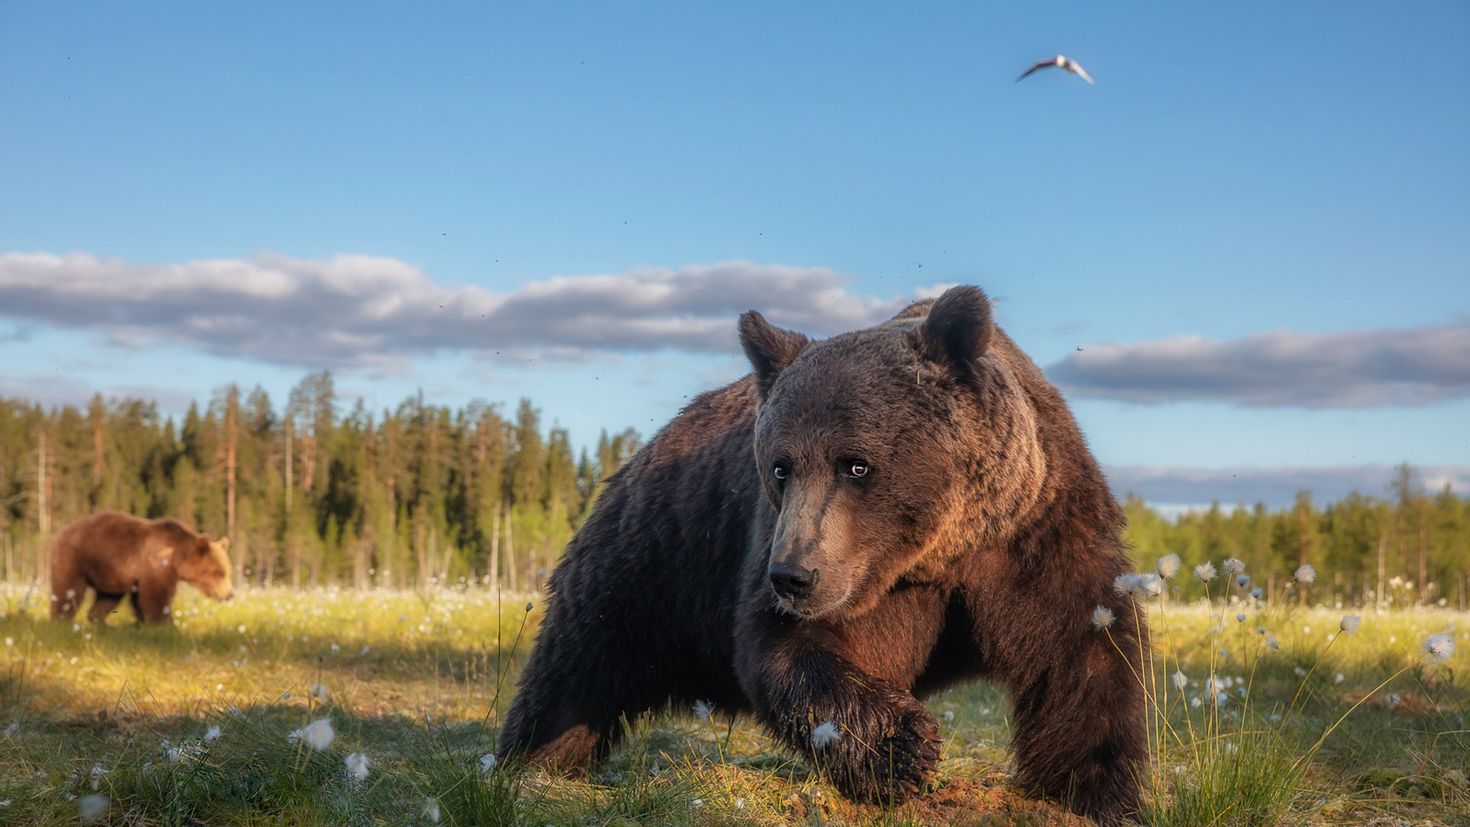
1080 72
1040 64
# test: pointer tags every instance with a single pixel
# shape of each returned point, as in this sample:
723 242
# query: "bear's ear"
770 349
957 330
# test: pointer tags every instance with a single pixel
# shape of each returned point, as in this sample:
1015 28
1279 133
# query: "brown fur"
975 544
120 556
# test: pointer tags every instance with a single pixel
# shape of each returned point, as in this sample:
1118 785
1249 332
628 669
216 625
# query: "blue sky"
1283 182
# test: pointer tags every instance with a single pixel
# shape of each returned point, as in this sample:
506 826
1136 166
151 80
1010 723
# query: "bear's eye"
856 469
780 471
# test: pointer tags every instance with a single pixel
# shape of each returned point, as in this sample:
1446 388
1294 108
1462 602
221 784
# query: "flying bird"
1058 62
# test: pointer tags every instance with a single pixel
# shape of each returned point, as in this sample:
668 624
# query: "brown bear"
860 522
119 555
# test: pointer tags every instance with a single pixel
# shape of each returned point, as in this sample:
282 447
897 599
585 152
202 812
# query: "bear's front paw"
886 755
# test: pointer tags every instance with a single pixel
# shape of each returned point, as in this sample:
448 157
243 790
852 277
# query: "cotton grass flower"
703 709
91 807
357 767
319 734
1242 580
1139 586
431 810
1181 680
1349 623
1272 643
825 735
1167 566
213 733
1439 648
487 763
320 694
1102 617
1232 565
1305 573
1205 571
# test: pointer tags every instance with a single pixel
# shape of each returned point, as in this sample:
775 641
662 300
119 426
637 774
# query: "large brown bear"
862 521
119 555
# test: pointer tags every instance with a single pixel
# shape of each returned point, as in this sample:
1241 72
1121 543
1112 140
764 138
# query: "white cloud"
353 309
1274 486
1283 368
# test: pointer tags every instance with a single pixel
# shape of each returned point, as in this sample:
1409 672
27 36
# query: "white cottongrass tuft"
431 810
824 735
1102 617
213 733
1139 586
1232 565
1205 571
1349 623
1272 643
1168 566
319 734
91 807
1305 573
357 766
1181 680
320 693
703 709
1439 648
487 763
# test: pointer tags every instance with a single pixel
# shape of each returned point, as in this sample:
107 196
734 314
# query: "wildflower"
1232 566
240 628
1439 648
1339 678
1205 571
529 606
1194 702
1257 594
1392 700
703 709
1349 623
1181 680
319 734
1242 580
1102 617
431 810
1240 617
1168 566
10 641
320 693
213 733
1272 643
357 766
1125 584
824 735
487 763
695 804
1305 573
1150 585
91 807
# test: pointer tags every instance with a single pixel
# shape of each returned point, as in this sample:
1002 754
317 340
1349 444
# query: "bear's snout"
792 582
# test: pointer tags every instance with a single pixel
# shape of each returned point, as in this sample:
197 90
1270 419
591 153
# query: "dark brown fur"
118 555
976 545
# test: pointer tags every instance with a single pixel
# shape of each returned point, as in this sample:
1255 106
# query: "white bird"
1058 62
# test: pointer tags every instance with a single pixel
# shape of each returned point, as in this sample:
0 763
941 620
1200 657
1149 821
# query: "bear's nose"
792 581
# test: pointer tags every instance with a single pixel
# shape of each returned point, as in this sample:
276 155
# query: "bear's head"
205 565
889 452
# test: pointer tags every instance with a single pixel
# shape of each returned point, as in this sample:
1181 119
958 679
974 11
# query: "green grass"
417 682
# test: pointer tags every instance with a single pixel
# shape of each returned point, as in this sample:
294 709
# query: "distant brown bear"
861 522
119 555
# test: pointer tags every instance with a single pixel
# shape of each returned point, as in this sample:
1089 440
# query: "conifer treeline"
309 494
1410 547
313 494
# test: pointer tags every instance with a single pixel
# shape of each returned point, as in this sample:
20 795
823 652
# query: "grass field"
117 722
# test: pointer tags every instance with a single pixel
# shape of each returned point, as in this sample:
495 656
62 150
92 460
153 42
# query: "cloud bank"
355 310
1413 366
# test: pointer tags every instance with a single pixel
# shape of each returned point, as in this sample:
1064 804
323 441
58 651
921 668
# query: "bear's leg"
1080 717
854 676
66 595
103 606
578 685
151 603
